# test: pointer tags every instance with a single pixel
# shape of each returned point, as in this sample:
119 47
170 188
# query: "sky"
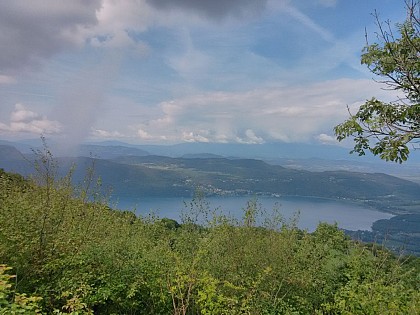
174 71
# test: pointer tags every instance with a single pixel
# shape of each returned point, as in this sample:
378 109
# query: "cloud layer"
283 113
36 30
23 120
215 9
245 71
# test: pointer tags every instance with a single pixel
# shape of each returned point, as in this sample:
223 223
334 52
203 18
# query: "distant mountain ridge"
9 152
163 176
265 151
291 155
109 152
201 156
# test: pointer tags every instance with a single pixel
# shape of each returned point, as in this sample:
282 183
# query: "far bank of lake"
310 211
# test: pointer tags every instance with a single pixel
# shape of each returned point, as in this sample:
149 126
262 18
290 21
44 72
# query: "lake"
311 211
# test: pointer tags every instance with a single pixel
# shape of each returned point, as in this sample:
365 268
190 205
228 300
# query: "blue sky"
171 71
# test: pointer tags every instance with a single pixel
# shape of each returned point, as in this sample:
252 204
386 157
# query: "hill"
162 176
75 256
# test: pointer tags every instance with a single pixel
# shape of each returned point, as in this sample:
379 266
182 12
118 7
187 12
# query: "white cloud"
35 30
197 51
100 133
145 136
251 137
309 23
190 136
21 114
266 114
23 120
116 20
191 63
326 139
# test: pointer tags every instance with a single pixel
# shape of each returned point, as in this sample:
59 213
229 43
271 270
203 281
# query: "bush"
82 257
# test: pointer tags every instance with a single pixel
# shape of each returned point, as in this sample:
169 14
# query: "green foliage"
386 129
81 257
12 302
375 285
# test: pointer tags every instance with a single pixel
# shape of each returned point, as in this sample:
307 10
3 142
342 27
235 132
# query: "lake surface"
310 211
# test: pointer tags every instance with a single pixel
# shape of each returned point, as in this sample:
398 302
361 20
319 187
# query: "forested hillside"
161 176
65 251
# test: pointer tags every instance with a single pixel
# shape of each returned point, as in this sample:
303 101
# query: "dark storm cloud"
215 9
33 30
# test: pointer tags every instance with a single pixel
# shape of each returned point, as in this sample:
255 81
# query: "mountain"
109 151
255 151
201 156
12 160
274 150
141 176
248 176
9 153
163 176
265 151
292 155
22 147
401 232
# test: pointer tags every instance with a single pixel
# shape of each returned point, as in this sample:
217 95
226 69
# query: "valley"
132 173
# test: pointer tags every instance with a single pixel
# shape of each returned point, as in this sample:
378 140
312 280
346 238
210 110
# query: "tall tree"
388 128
